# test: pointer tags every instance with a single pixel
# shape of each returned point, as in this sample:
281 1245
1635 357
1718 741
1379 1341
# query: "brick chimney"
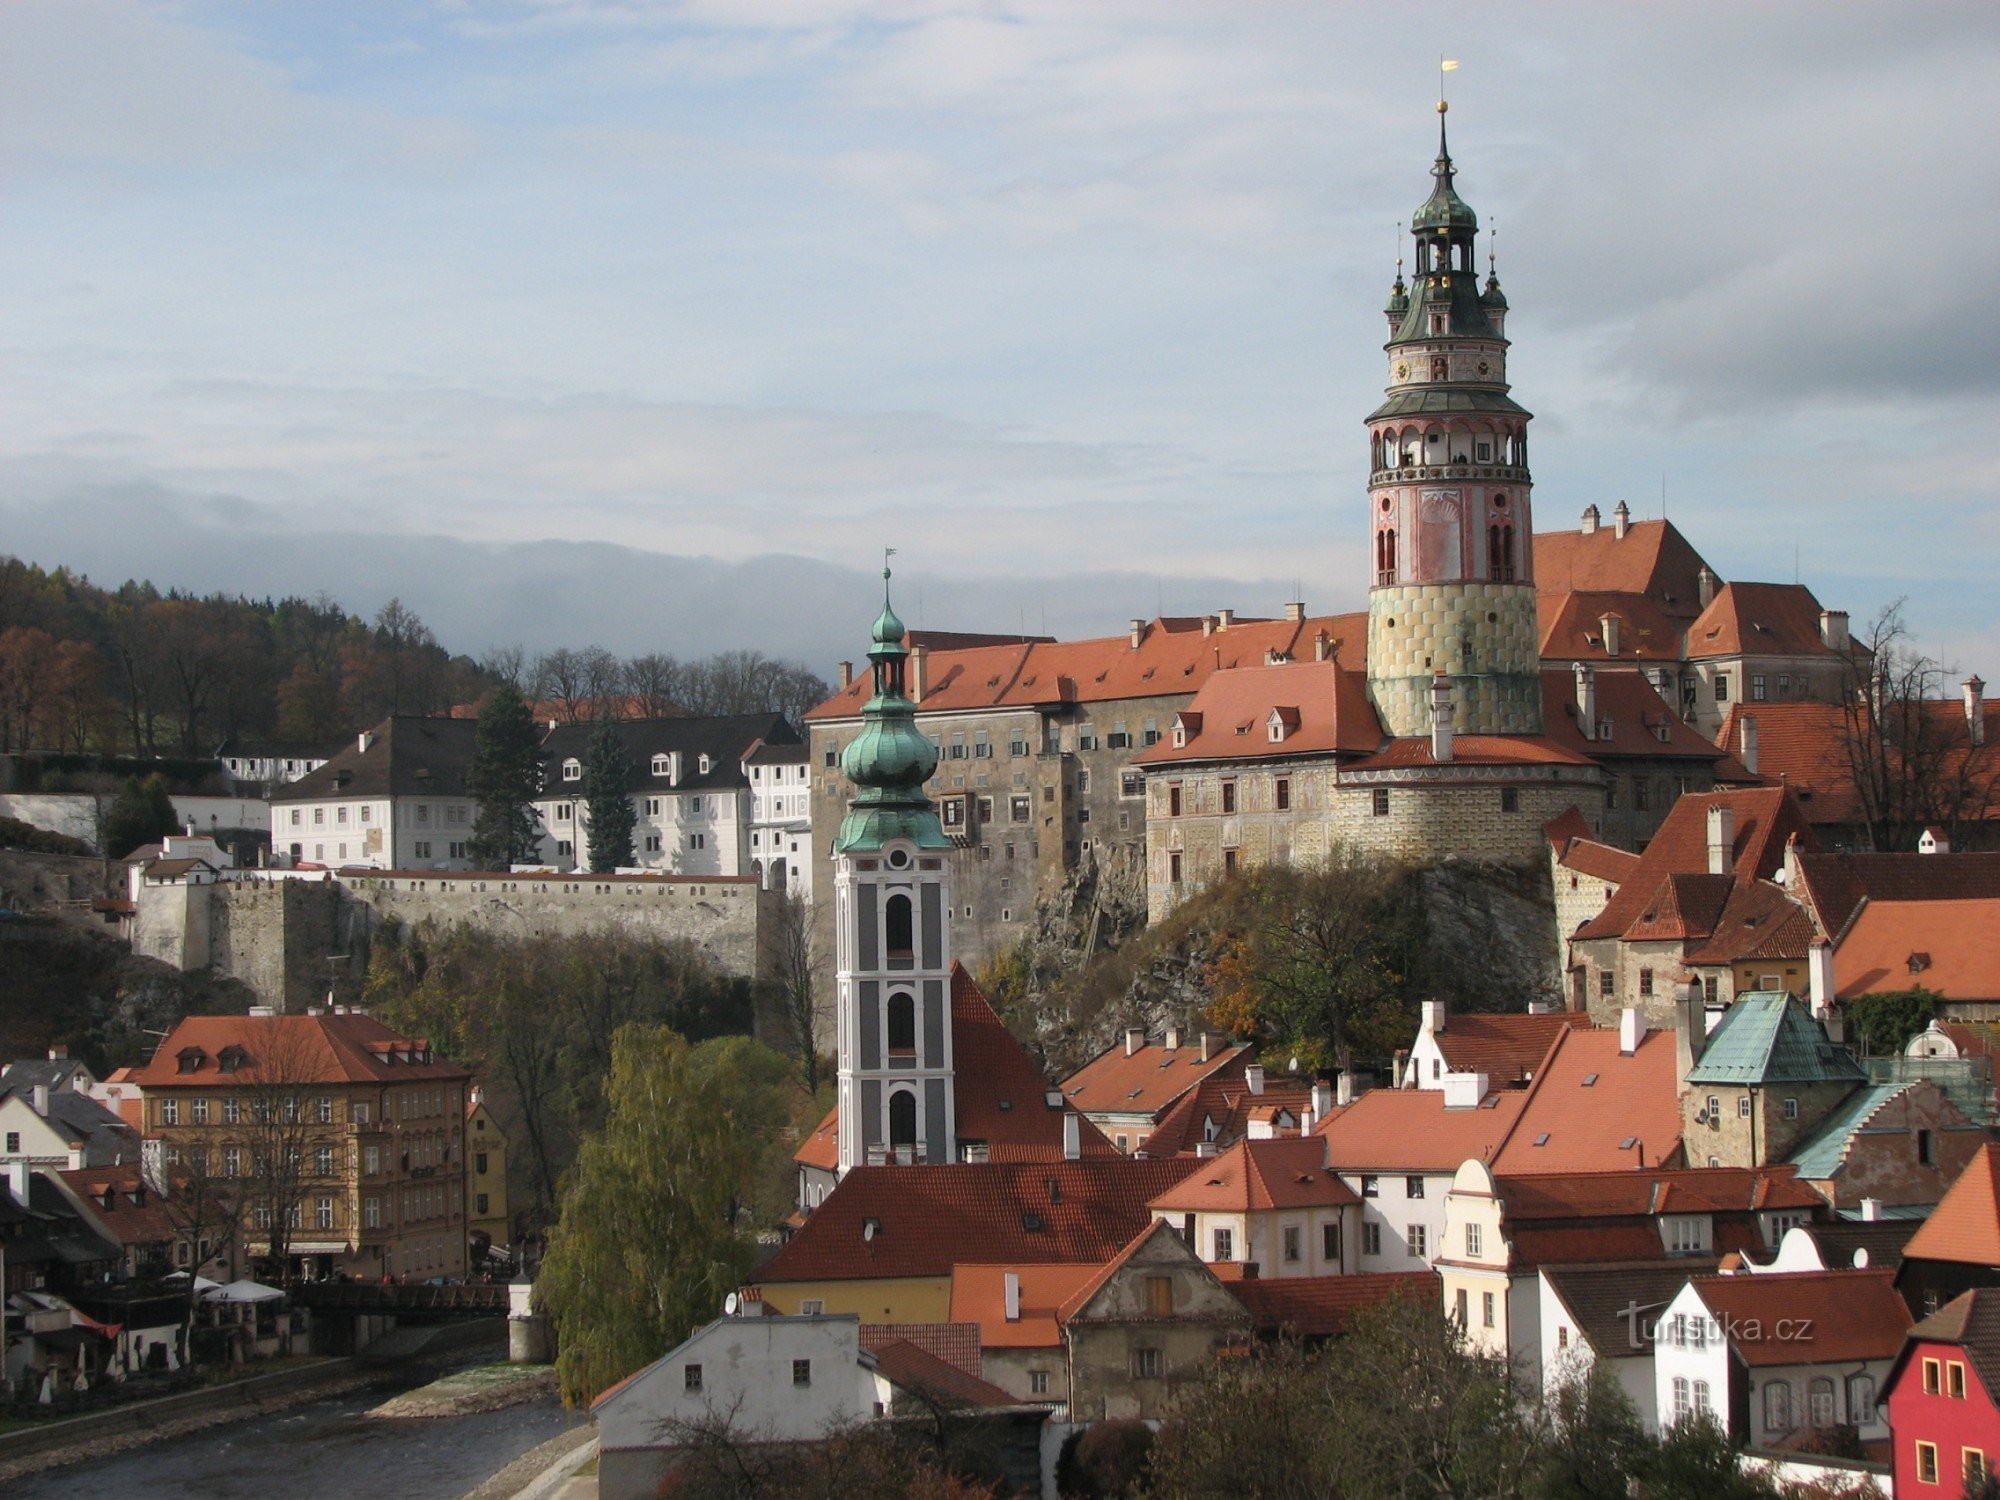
1224 618
1621 520
1975 710
1295 611
1322 646
1590 520
1586 699
1721 839
1833 629
847 674
1253 1078
1747 744
1610 625
1443 718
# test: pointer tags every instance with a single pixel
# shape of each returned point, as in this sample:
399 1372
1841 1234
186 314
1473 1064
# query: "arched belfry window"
903 1118
899 930
1500 551
1385 556
902 1023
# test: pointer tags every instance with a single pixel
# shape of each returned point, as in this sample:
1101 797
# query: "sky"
650 323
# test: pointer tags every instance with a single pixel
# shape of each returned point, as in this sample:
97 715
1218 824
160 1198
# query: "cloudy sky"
650 322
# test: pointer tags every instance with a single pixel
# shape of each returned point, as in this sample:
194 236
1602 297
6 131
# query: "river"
324 1450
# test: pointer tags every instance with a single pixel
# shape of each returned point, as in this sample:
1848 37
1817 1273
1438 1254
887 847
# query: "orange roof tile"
346 1048
821 1149
1225 1103
1853 1315
1682 907
1633 720
1148 1080
1280 1172
1572 627
1950 947
954 1343
1652 558
1758 921
1506 1048
1476 750
1324 1306
1965 1226
1835 885
1591 1100
1324 709
917 1371
979 1296
1600 861
1758 619
1765 818
1174 656
1642 1194
1079 1299
1410 1130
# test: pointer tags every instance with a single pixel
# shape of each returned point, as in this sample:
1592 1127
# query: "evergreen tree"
504 779
606 769
141 813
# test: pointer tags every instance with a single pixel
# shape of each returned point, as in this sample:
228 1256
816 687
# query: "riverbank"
479 1389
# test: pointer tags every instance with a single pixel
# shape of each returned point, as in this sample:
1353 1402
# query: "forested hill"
137 671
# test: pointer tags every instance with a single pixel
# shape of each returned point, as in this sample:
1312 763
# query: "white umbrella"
244 1291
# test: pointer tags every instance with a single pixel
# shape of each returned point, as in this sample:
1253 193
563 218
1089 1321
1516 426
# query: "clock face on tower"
1402 371
1485 367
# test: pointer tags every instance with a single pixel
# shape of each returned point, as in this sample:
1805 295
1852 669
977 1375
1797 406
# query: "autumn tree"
504 778
607 775
795 968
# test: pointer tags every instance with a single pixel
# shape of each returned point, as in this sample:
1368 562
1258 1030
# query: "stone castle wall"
1483 634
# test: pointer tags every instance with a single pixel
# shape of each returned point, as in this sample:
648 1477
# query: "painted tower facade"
1453 584
891 912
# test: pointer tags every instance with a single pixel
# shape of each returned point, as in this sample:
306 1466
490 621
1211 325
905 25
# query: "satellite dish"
731 1304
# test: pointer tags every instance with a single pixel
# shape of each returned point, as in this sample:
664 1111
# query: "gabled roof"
1949 947
1506 1048
1324 708
1253 1176
1835 885
1324 1306
918 1372
1652 559
1410 1130
346 1048
1596 1109
134 1214
406 757
1759 921
1965 1226
1633 720
1972 1322
1839 1240
954 1343
1599 861
1635 1194
77 1118
1148 1080
1767 1037
1226 1103
1824 1152
1684 906
1572 626
1617 1308
1765 818
1174 656
724 740
930 1218
1759 619
821 1148
979 1297
1854 1315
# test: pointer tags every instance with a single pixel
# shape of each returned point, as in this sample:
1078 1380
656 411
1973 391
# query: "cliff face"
1487 943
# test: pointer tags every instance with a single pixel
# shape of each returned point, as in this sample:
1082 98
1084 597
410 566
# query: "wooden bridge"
482 1299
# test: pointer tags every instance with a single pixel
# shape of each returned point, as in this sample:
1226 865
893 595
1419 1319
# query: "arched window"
1777 1407
903 1118
902 1023
1500 552
1385 556
1861 1400
899 930
1819 1398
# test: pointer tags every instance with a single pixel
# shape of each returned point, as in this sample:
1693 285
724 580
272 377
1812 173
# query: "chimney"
1135 1038
1621 520
1343 1090
1138 634
1224 618
1819 971
1631 1030
1206 1043
1435 1016
920 672
1323 1099
1975 710
1010 1283
1173 1039
1833 629
1072 1136
364 740
847 674
1610 625
41 1100
1590 520
1322 646
1721 838
58 1053
1207 626
1746 745
1704 586
1691 1028
1466 1090
1871 1210
1586 699
1295 611
1442 717
1253 1078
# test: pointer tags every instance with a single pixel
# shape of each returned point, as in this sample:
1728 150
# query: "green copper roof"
1458 289
1424 400
890 760
1819 1156
1444 209
1767 1036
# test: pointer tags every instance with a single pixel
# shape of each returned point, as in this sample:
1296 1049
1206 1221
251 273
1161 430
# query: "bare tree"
795 960
653 683
292 1148
559 679
200 1206
508 664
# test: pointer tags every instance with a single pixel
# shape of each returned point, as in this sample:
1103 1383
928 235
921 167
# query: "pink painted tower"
1452 534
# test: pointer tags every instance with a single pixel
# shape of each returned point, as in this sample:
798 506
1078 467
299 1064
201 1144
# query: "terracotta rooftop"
1949 947
1965 1226
1251 1176
1174 656
1410 1130
1599 861
1324 1306
1652 558
979 1297
347 1048
1759 619
1477 750
1225 1104
1602 1299
1319 708
918 1372
1572 627
927 1219
1633 720
954 1343
1148 1080
1765 818
821 1149
1679 1190
130 1211
1594 1109
1683 906
1853 1315
1835 885
1759 921
1506 1048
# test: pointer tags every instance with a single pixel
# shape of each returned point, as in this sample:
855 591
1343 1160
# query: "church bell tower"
1451 530
891 909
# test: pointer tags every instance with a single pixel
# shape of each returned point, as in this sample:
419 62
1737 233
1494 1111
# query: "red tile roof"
1652 558
931 1218
1590 1100
1074 1304
1759 921
821 1149
1147 1081
1410 1130
1835 885
1682 907
1572 627
1324 1306
954 1343
1634 1194
1477 750
1600 861
1965 1226
1765 818
1173 657
1950 947
1759 619
1805 745
1325 708
136 1215
1633 720
920 1373
1281 1172
1226 1103
1506 1048
345 1048
1852 1315
979 1297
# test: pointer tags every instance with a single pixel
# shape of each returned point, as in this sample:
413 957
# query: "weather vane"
887 553
1445 65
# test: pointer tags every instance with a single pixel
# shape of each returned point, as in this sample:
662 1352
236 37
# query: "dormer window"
662 765
231 1059
189 1060
705 764
572 770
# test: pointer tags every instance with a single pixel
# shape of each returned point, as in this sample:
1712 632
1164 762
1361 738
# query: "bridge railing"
368 1296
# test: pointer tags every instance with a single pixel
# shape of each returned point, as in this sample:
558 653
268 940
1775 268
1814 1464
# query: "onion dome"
890 759
1444 209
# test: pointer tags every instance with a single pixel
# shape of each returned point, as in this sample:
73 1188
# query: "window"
1954 1379
1924 1154
1642 793
199 1110
1687 1234
1292 1242
323 1161
1371 1187
1932 1371
1174 867
1225 1244
479 1161
1701 1406
323 1213
1606 983
903 1023
802 1372
1743 1108
1281 793
232 1161
421 849
1973 1462
1160 1296
371 1160
1861 1400
170 1112
1680 1398
1486 1309
1777 1407
572 770
1819 1403
1148 1364
1646 982
1371 1239
691 1377
324 1109
232 1111
1757 687
899 930
1329 1241
1380 806
1459 1311
1722 687
1413 1187
1173 801
1927 1464
903 1118
1229 796
1472 1239
1418 1237
479 1205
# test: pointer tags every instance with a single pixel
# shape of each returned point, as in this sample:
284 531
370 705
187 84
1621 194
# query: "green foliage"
1104 1461
648 1243
14 834
504 778
1883 1023
1591 1439
1694 1460
141 813
606 772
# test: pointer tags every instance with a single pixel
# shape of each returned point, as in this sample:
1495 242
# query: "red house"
1944 1399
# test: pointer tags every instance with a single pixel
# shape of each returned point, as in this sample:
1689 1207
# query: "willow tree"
649 1242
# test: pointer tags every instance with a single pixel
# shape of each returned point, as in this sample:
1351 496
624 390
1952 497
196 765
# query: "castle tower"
1453 581
892 961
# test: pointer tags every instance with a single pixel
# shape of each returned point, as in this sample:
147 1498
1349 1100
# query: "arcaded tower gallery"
1453 588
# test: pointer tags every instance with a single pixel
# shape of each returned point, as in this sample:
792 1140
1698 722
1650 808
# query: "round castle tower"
1453 578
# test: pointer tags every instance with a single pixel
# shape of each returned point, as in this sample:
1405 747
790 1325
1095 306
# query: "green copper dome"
1444 209
890 760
